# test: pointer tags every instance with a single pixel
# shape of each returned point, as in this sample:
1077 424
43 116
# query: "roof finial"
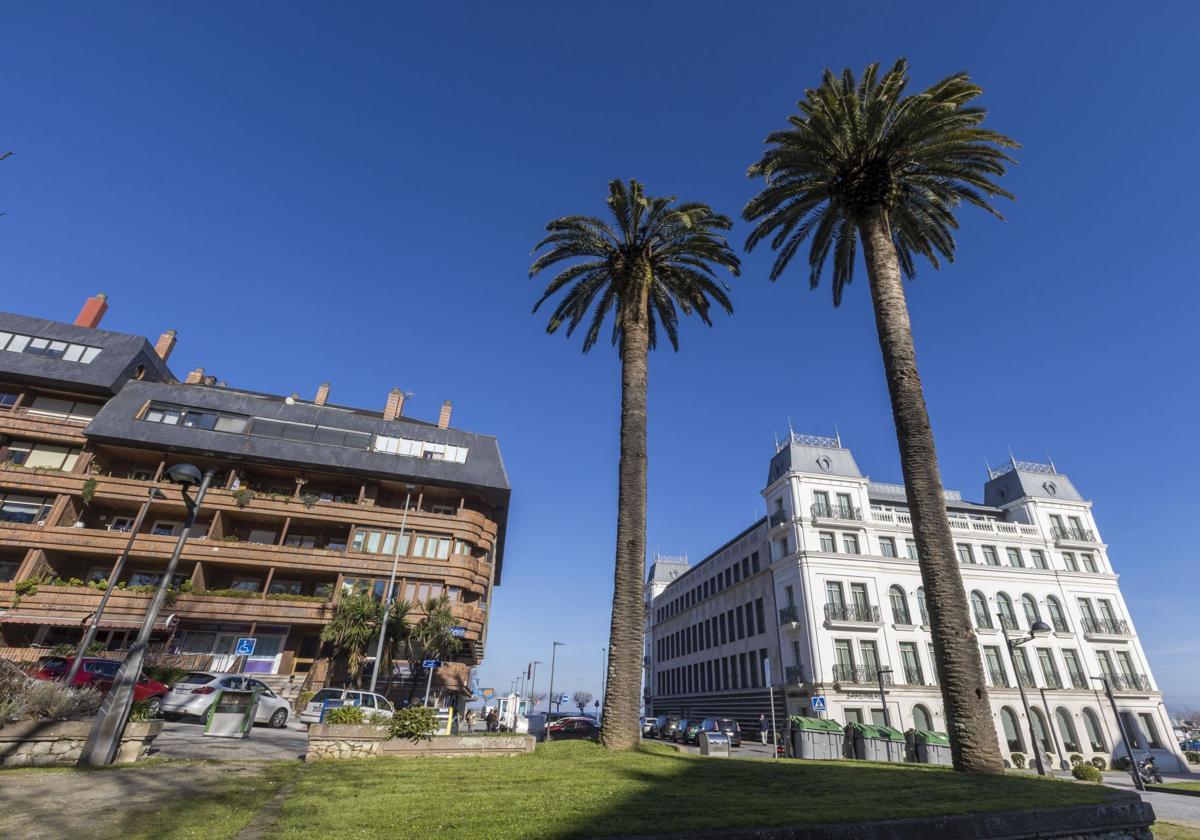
837 434
988 466
1012 458
791 431
776 441
1051 460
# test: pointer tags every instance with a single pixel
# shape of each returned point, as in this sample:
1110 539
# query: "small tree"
431 637
354 625
582 698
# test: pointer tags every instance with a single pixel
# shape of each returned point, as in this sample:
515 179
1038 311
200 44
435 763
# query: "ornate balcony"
1129 682
842 513
779 517
794 675
852 613
858 675
1073 535
789 615
1106 627
999 679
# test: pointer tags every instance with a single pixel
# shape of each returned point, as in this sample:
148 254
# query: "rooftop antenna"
791 432
837 434
988 465
776 441
1051 460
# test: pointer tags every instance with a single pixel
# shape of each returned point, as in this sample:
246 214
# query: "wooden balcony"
20 423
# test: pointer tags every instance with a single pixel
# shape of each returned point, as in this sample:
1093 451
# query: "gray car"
194 693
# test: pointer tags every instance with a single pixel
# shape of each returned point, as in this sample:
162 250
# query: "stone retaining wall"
45 743
363 741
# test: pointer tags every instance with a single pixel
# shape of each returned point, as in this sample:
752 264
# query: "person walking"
492 720
469 720
762 728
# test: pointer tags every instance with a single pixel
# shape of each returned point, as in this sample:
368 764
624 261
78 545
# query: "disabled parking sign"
245 646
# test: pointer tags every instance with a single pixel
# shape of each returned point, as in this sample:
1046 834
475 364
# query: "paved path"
185 740
1168 807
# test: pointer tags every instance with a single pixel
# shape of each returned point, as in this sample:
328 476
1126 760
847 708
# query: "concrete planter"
360 741
47 743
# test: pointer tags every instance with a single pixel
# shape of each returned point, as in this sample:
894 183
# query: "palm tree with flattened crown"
656 259
863 161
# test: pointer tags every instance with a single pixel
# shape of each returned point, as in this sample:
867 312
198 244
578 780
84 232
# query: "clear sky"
350 192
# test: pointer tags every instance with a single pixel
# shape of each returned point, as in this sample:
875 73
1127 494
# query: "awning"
164 624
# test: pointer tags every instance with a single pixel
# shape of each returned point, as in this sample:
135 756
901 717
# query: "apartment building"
306 504
839 554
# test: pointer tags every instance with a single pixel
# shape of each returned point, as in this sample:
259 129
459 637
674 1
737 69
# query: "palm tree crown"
857 146
654 261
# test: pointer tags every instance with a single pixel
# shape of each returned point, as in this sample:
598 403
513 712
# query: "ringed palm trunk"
973 743
622 699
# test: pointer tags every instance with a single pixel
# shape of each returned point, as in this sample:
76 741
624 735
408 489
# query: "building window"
1149 730
828 544
910 547
1029 605
900 614
979 607
1008 615
1039 558
1057 617
921 608
1012 730
887 546
51 349
64 409
1095 734
850 543
760 615
965 555
911 662
1074 669
24 510
990 557
39 456
1069 562
922 720
1014 558
997 673
1049 668
853 715
754 562
1089 563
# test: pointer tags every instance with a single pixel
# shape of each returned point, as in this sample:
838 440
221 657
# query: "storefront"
220 641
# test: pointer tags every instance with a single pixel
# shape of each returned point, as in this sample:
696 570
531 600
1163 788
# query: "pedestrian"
469 719
762 728
492 720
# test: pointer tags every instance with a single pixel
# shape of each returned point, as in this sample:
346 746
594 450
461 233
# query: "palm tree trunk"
969 724
622 701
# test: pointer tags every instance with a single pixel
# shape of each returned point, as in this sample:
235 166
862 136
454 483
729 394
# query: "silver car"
193 694
365 700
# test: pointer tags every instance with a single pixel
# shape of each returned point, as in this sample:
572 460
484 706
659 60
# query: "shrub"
22 698
1086 773
1076 759
140 712
166 674
1100 763
68 649
243 496
302 700
345 715
414 723
1193 756
88 491
1018 760
310 499
378 719
24 588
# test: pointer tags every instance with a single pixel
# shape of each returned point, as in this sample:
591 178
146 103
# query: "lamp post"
109 725
887 721
89 635
533 684
389 597
550 696
1133 770
1038 627
1062 759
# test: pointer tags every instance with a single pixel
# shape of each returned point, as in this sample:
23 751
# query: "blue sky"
351 193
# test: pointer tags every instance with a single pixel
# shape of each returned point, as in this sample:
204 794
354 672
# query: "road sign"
245 646
430 663
767 670
488 693
818 703
564 699
458 632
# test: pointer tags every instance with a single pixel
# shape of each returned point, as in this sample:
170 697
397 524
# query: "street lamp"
1038 628
109 725
89 635
389 597
1133 770
550 696
887 721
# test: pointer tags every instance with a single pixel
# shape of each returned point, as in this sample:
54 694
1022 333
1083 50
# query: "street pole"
887 721
389 596
1133 770
533 685
89 635
550 697
105 736
429 683
1053 729
771 691
1033 741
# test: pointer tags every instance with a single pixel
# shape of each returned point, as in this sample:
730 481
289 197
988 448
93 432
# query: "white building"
839 561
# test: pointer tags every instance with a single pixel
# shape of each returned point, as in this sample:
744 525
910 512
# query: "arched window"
980 609
921 718
1066 730
1008 615
1039 729
1029 605
900 612
921 605
1057 617
1091 722
1012 729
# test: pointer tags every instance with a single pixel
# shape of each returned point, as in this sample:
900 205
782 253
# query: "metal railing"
1129 682
789 615
779 517
999 679
1009 622
1060 625
1108 626
1073 534
1079 681
820 510
913 676
859 675
1027 680
1053 681
794 675
863 613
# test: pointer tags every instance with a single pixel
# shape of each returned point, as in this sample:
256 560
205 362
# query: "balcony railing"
862 613
999 679
1027 680
859 675
1079 681
1073 535
1008 622
914 676
1129 682
820 510
1060 625
789 615
1053 682
779 517
1106 626
794 675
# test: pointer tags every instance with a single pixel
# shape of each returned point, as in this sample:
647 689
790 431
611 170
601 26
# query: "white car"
365 700
193 694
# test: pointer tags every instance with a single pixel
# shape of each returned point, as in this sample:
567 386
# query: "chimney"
166 343
93 310
322 394
444 417
195 377
395 404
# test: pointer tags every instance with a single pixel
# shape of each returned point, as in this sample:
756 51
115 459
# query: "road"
186 740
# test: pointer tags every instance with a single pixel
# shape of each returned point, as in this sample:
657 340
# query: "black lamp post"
887 721
1038 628
109 725
1133 770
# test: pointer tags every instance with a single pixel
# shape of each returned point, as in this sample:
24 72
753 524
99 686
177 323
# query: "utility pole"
389 597
1133 769
550 696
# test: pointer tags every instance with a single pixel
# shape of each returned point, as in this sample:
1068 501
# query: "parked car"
575 727
664 727
648 727
686 731
1191 745
99 674
365 700
193 694
729 726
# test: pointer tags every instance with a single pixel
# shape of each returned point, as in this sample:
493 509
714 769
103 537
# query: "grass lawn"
1179 786
577 789
1172 831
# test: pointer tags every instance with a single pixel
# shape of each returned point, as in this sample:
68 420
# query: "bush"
1086 773
1018 760
414 723
345 715
1193 756
1076 759
1100 763
166 674
22 698
302 700
140 711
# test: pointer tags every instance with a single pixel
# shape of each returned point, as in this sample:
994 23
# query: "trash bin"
818 738
876 743
715 744
930 747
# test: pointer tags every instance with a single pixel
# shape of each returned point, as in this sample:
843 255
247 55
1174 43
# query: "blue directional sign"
245 646
458 632
818 703
430 663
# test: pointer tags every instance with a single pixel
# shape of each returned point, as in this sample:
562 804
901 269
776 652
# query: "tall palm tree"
862 160
432 637
354 626
655 260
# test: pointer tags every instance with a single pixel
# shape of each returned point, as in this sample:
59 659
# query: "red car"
99 673
572 727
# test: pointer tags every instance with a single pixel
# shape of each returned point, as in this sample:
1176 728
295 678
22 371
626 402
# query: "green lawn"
578 789
1173 831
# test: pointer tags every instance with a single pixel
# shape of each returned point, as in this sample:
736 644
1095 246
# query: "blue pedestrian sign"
245 647
430 663
818 703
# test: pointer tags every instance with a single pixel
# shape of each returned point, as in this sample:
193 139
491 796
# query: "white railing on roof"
811 440
982 526
1023 466
898 490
